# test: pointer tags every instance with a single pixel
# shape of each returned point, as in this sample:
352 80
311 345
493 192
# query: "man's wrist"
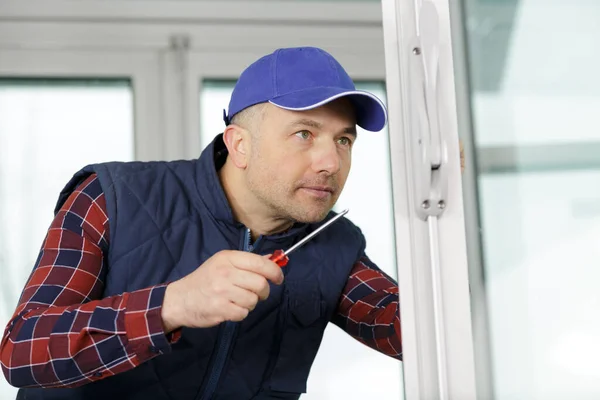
170 309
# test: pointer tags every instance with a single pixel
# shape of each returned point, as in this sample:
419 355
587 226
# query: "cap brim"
371 113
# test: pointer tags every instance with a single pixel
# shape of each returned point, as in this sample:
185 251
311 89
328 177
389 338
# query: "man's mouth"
319 191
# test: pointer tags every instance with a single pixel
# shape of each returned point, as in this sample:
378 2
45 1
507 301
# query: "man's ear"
237 141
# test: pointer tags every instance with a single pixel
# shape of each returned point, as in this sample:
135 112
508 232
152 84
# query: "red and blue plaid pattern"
63 334
369 309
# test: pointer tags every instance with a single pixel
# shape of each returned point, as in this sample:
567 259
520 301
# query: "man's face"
300 160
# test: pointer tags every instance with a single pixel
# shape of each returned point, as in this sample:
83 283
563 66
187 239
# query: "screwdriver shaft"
315 232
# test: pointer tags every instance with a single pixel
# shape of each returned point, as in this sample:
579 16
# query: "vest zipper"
225 343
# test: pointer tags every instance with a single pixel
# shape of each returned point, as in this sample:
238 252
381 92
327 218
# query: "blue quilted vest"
166 219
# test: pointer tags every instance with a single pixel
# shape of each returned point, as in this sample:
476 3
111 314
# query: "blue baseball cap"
303 78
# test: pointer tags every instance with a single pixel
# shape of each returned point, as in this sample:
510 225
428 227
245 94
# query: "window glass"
535 99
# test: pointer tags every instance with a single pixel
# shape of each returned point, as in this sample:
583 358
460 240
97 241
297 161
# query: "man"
154 280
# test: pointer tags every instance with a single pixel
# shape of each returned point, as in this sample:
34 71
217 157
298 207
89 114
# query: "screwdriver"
280 257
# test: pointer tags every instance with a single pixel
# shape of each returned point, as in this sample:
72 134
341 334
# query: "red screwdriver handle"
279 258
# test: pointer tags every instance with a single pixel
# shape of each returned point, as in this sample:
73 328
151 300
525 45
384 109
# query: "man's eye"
344 141
303 134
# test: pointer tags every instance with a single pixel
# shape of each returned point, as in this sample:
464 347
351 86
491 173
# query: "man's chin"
312 215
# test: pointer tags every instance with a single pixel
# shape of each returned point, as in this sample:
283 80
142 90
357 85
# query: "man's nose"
327 159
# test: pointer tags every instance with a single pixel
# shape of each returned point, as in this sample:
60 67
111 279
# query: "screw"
416 51
441 204
425 204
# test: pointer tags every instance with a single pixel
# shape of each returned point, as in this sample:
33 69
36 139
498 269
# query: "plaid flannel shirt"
64 334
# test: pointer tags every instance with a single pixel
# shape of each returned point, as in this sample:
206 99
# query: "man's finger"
243 298
235 313
257 264
251 281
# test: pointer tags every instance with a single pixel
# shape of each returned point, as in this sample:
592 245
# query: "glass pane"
49 129
341 359
535 100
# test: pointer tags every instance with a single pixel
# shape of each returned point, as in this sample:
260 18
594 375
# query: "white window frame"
140 68
438 343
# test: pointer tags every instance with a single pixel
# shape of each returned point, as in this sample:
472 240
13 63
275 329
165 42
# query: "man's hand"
225 288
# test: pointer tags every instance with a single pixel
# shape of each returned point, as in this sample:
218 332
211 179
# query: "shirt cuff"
144 326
